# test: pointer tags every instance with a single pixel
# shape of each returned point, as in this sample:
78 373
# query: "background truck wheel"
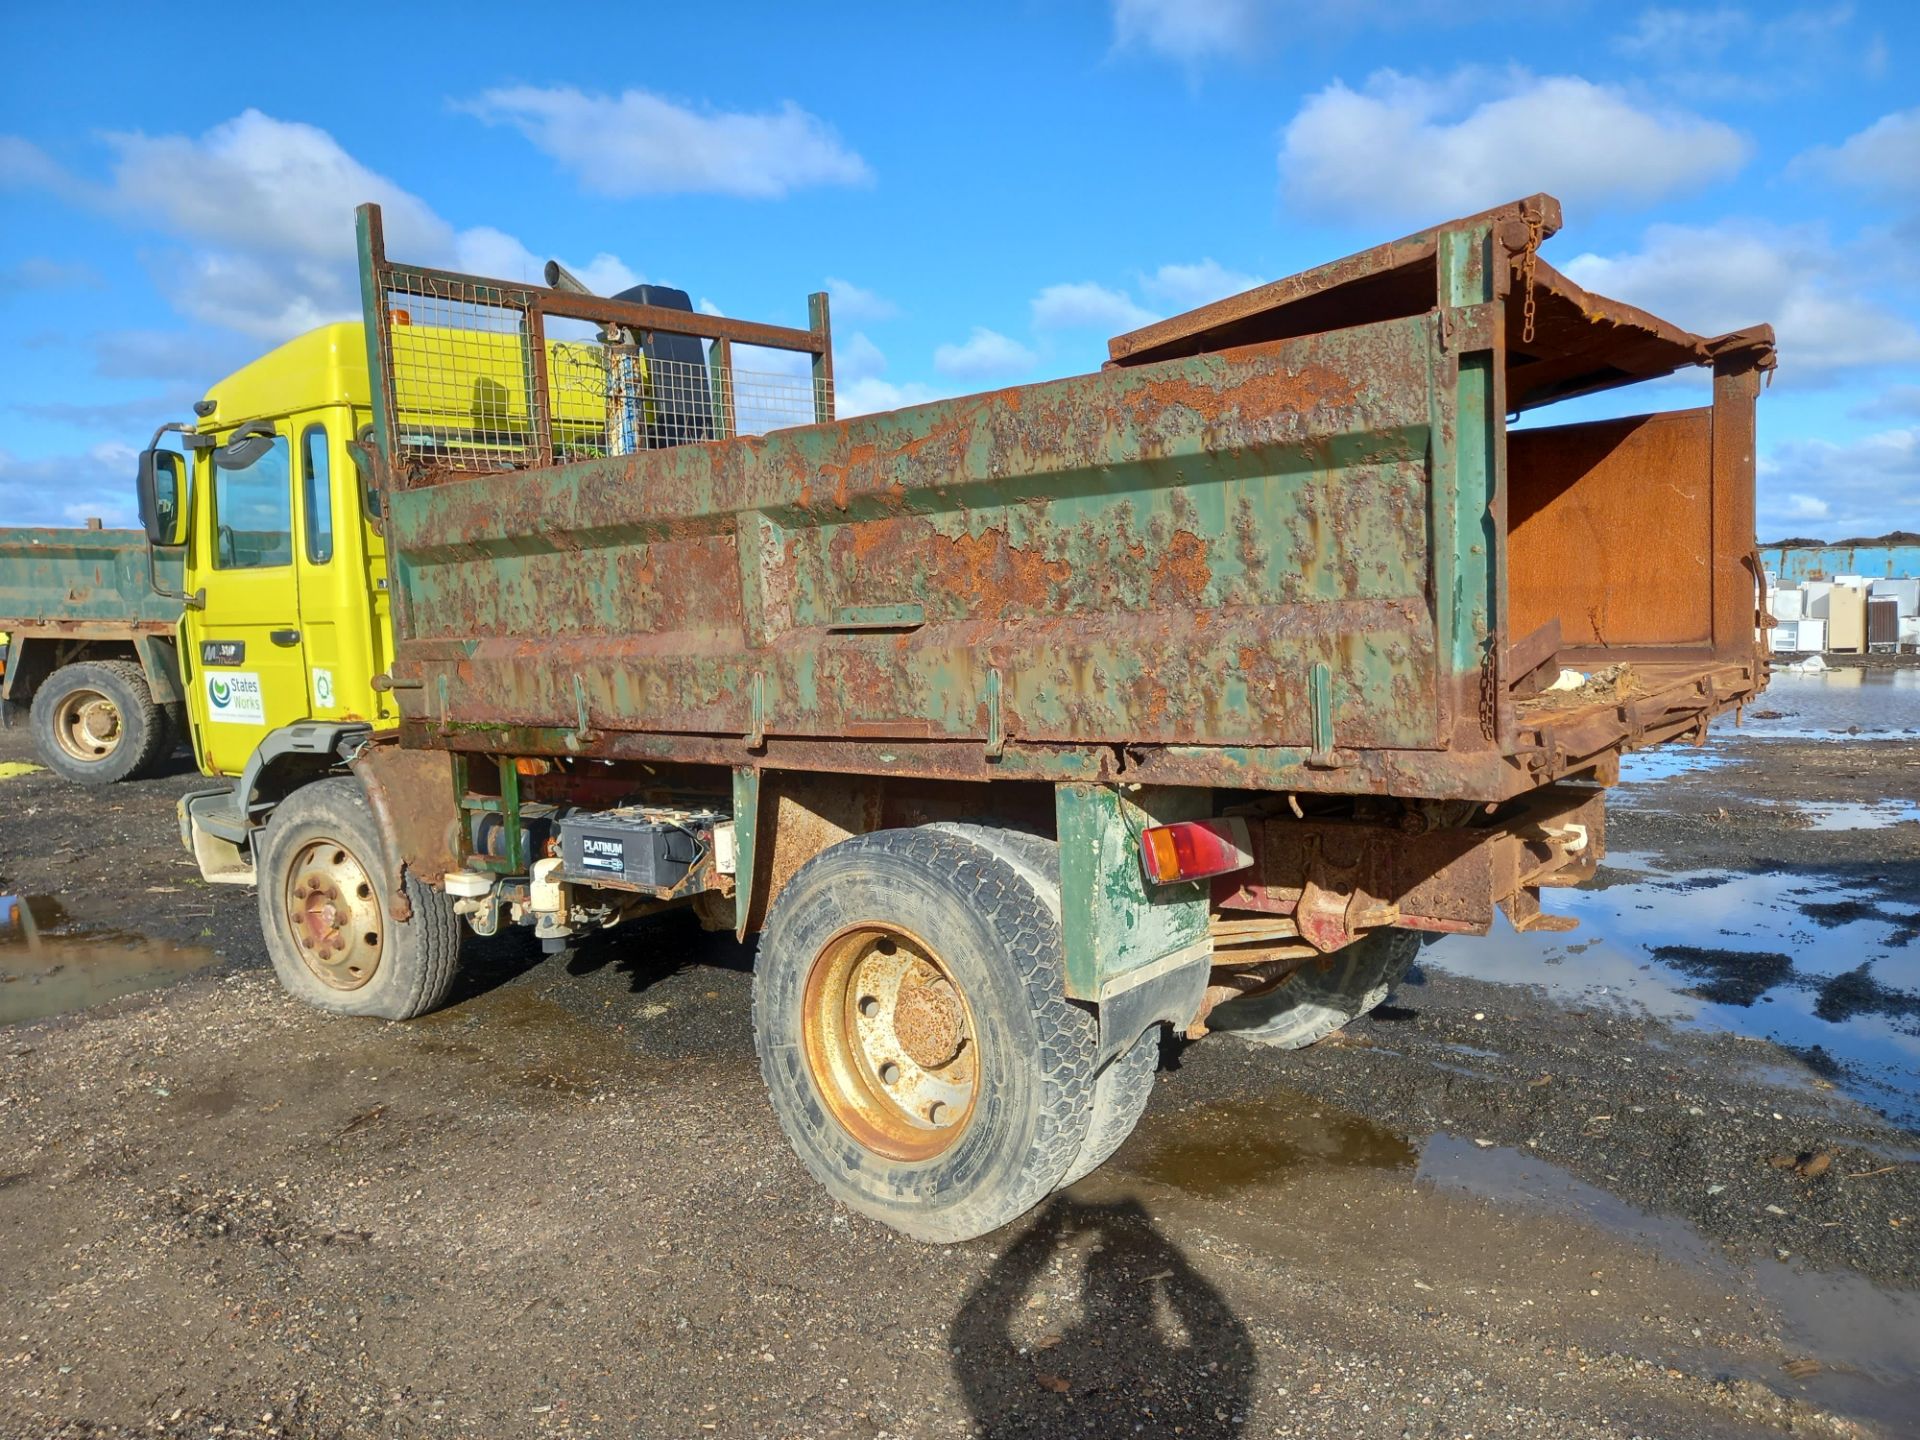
910 1014
1316 1000
96 722
333 944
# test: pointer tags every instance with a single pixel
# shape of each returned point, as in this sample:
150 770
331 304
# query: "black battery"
631 849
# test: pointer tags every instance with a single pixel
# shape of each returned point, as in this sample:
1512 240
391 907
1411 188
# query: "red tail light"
1194 850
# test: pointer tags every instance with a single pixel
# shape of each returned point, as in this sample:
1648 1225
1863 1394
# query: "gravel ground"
562 1205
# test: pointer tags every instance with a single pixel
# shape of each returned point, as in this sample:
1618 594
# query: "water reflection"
1822 961
48 967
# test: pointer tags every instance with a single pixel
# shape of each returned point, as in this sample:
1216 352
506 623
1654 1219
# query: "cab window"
317 496
253 511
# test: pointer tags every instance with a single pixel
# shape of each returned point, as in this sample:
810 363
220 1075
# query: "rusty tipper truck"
1190 693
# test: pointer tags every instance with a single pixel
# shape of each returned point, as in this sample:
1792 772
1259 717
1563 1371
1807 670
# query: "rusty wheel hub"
334 915
86 726
890 1042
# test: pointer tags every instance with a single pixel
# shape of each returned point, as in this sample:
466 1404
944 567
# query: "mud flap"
1139 954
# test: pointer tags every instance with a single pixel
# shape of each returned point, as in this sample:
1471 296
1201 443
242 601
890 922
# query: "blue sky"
988 191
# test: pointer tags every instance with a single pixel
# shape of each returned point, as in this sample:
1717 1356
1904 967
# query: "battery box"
634 848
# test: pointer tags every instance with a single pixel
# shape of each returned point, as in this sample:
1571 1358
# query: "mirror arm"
153 577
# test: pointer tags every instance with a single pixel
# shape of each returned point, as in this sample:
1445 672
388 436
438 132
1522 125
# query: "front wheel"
911 1018
332 941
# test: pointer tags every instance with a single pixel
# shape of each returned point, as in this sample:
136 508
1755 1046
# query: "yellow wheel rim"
890 1042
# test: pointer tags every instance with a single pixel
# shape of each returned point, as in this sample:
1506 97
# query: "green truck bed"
1291 541
79 580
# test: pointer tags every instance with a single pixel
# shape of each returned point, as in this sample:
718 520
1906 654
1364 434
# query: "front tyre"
911 1019
332 942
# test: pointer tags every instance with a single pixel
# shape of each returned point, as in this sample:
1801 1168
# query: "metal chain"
1527 258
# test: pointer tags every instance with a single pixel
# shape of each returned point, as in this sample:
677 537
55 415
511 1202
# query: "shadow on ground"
1094 1323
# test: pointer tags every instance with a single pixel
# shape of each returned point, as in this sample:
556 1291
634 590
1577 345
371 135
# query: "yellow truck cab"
286 614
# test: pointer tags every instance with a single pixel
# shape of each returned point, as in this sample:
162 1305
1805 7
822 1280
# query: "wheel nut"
889 1073
937 1113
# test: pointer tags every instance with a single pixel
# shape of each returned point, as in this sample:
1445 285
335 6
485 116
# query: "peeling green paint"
1114 922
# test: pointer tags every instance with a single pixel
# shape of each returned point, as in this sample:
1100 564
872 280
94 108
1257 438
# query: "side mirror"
162 489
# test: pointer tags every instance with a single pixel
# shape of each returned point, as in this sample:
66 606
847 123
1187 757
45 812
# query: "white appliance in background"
1787 606
1810 635
1906 594
1817 592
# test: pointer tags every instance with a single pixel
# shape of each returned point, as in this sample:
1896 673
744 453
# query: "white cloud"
1085 305
1729 53
1723 277
855 302
637 143
1866 486
871 395
1804 507
70 489
267 208
1896 402
984 353
1884 158
1661 34
856 358
1431 150
175 355
484 250
274 186
1182 287
858 388
1188 30
37 273
24 164
136 419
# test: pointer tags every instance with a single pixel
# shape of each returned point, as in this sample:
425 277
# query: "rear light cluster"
1194 850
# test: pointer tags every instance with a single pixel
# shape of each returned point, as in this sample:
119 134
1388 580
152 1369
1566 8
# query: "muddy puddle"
49 966
1272 1170
1826 967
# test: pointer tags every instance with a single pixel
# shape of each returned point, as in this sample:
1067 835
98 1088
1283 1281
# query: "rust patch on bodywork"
414 804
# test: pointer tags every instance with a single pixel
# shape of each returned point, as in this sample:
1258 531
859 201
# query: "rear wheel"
322 909
96 722
1323 995
911 1018
1120 1097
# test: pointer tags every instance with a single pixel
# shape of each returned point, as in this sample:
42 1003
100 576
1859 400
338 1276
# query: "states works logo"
235 699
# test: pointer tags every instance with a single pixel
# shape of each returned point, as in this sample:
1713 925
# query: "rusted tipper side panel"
80 579
1268 550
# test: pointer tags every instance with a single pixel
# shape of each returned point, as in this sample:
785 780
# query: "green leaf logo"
222 694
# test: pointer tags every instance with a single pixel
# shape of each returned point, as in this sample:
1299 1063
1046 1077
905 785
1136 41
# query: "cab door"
342 598
247 655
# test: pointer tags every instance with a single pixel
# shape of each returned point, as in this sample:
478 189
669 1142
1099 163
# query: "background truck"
1192 692
87 648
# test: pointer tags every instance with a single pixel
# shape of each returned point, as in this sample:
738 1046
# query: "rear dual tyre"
911 1019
